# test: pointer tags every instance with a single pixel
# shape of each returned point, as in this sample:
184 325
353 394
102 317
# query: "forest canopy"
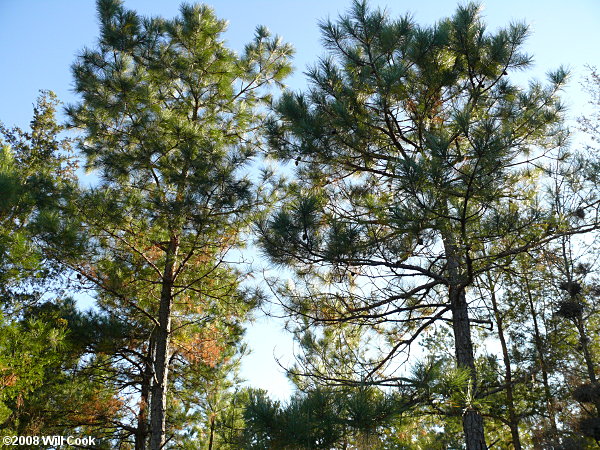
430 223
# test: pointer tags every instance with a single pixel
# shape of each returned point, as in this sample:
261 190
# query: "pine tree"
579 285
44 388
36 175
323 418
171 119
411 144
55 389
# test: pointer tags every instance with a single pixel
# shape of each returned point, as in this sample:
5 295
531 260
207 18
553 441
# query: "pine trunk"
212 433
587 356
513 420
141 434
541 351
472 419
158 405
463 345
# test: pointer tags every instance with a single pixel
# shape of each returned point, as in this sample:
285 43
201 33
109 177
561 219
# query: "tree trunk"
141 434
472 419
587 356
463 345
513 420
212 433
540 350
578 321
158 405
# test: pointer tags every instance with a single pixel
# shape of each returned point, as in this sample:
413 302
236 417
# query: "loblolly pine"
170 119
411 141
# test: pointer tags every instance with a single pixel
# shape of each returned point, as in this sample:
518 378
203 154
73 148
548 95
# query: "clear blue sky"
40 39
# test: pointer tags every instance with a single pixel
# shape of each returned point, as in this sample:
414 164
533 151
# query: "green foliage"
418 163
36 174
44 389
47 388
171 120
435 209
393 165
28 349
322 419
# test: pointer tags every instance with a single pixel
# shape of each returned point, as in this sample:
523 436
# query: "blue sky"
40 39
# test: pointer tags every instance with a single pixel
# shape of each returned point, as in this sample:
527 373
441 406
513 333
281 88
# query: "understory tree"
44 389
324 418
580 281
36 176
170 120
418 164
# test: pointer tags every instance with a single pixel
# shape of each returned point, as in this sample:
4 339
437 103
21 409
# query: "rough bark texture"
472 419
463 345
158 400
141 434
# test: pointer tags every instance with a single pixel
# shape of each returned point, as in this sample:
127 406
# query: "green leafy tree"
36 174
171 119
44 390
320 418
208 400
49 383
572 263
28 349
411 144
581 287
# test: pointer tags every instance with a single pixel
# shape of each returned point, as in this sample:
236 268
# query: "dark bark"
513 419
463 345
472 418
540 350
587 356
143 430
141 435
158 400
